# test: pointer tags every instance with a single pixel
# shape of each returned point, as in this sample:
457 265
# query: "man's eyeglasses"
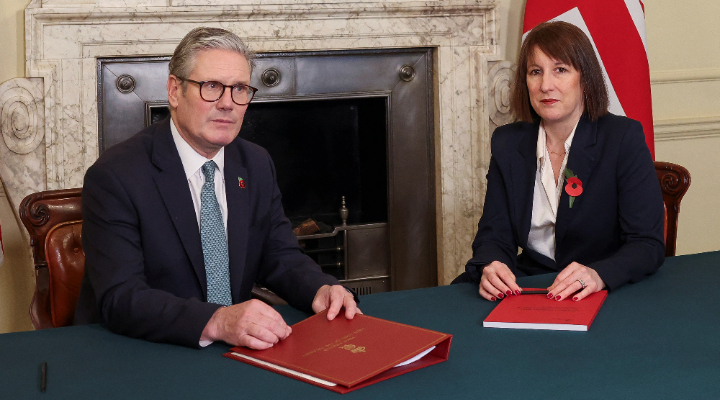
211 91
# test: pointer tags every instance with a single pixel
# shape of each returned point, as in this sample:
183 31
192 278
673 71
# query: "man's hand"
252 324
334 298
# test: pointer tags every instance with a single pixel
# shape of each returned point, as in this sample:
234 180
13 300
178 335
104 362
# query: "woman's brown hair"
567 43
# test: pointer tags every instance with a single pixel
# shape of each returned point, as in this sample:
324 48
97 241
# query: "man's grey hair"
204 38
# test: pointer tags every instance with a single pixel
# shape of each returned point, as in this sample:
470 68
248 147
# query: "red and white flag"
617 30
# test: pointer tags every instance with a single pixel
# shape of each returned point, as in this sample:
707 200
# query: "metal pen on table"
43 376
534 291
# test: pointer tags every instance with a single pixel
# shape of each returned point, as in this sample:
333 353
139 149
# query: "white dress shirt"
192 163
546 197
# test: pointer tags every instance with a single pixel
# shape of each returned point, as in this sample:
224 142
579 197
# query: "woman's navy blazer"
616 226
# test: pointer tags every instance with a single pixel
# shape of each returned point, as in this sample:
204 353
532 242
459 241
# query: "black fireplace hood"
340 125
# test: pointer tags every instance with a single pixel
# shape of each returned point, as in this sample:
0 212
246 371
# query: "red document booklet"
343 355
536 311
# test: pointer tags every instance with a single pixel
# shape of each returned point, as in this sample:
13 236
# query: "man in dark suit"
182 219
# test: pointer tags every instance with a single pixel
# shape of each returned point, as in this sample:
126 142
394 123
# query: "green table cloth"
658 339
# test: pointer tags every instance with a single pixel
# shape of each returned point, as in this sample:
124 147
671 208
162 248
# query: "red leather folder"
536 311
344 355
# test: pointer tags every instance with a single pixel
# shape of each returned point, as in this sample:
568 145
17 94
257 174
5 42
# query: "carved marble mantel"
49 121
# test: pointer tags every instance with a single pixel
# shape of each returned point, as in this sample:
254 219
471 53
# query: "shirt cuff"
353 293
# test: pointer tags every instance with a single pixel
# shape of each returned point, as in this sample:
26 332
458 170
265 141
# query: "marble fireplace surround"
49 120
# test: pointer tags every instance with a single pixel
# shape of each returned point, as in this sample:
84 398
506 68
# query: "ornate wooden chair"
54 221
674 182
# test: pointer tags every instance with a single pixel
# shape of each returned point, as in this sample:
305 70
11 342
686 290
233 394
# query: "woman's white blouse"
546 196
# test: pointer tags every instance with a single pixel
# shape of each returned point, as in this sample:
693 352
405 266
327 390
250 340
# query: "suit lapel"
523 167
582 160
173 186
238 202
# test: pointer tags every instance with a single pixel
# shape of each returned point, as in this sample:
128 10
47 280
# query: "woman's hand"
570 280
497 281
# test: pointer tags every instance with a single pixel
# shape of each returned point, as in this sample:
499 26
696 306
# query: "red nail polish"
517 292
558 298
550 296
575 299
493 299
509 292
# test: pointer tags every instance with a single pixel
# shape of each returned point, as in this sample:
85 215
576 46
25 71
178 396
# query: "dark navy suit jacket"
615 226
144 269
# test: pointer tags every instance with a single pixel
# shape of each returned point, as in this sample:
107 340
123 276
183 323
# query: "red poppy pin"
241 182
573 187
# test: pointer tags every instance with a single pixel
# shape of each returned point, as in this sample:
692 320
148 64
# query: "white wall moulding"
22 117
687 128
684 76
64 39
500 79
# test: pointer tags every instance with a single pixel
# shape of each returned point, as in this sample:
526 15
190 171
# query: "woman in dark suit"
571 185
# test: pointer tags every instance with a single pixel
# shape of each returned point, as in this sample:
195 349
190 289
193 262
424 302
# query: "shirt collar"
542 140
192 160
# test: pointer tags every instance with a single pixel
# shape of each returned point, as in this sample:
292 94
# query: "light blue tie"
214 242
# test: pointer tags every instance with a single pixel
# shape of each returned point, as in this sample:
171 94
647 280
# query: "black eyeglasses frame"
253 90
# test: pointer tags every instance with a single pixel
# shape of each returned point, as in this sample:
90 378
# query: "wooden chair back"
674 182
54 221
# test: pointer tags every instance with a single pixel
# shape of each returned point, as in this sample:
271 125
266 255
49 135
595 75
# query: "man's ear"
174 90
